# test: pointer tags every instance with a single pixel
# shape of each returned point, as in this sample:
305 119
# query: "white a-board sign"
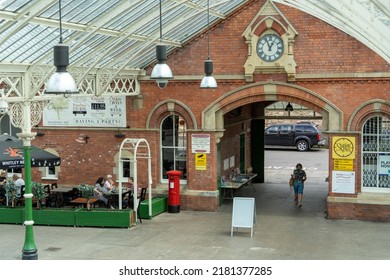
244 213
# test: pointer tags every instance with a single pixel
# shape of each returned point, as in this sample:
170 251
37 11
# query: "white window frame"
377 136
162 179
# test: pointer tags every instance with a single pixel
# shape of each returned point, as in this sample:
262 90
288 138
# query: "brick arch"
167 107
367 110
212 116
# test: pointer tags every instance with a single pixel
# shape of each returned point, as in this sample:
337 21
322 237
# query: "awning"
11 154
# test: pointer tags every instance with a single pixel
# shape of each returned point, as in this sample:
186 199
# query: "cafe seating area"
65 206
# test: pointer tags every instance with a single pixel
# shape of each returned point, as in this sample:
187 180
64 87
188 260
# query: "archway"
265 93
139 148
212 116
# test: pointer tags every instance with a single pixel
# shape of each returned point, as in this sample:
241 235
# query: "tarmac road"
280 163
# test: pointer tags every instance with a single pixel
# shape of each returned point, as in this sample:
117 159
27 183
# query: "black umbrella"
11 154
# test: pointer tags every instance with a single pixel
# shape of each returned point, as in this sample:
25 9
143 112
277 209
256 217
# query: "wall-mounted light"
83 139
161 71
289 107
208 80
39 133
61 82
119 134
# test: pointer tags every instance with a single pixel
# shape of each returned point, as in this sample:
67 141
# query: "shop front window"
376 155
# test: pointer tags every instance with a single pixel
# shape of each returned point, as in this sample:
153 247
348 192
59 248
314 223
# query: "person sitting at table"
19 182
109 183
99 191
127 201
3 177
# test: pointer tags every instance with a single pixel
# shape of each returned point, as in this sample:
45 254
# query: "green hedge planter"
104 218
159 205
54 217
10 215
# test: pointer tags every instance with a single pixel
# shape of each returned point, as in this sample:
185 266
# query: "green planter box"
104 218
54 216
159 205
10 215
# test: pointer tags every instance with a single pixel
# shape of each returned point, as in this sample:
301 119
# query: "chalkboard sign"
244 213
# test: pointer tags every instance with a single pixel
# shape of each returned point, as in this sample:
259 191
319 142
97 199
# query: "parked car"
301 135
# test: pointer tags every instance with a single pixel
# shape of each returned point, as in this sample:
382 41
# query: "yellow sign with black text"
343 147
343 164
200 161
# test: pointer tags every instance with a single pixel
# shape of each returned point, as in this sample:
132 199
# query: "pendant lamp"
61 82
289 107
161 71
208 80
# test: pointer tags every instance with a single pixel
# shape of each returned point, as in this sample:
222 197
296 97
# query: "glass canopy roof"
122 34
104 33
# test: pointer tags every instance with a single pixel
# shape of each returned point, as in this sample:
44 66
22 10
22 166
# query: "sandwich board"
244 213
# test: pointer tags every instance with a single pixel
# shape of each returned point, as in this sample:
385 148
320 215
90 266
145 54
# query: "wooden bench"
81 201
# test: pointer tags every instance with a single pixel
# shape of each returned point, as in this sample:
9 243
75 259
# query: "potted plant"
87 192
11 192
39 193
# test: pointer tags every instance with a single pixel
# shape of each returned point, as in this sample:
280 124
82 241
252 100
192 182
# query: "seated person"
19 182
99 191
109 183
128 198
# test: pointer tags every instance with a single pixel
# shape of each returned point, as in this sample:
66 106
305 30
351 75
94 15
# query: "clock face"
270 47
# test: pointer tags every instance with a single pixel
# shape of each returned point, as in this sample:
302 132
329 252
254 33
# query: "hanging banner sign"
200 161
200 143
343 147
94 111
384 165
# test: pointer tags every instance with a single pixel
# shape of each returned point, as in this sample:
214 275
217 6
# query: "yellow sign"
343 164
343 147
200 161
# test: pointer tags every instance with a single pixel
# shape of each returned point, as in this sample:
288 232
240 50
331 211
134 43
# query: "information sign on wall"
95 111
200 161
200 143
343 164
343 147
343 182
384 165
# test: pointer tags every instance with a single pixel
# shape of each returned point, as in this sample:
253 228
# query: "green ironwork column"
29 251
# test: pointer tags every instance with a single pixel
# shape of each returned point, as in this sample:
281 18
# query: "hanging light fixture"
208 80
61 82
161 71
289 107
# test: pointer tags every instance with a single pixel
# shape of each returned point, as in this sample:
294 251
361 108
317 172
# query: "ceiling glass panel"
111 33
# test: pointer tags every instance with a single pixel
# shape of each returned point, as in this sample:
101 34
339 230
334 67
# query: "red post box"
174 191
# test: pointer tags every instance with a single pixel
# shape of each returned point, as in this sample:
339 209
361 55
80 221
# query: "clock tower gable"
270 39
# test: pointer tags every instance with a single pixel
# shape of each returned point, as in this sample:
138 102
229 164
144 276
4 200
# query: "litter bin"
173 191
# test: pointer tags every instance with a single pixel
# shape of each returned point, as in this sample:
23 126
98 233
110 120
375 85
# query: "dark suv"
302 135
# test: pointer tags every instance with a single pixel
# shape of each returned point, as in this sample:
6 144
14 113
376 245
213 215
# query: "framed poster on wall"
343 182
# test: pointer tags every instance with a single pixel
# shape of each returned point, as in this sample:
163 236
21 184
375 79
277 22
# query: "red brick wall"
319 48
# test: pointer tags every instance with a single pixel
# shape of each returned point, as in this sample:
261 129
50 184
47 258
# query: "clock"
270 47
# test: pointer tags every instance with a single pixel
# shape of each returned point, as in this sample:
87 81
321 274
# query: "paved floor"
281 232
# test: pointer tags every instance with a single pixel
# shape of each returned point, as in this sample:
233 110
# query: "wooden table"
113 197
81 201
240 180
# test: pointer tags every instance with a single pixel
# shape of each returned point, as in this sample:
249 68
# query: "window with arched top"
173 146
376 155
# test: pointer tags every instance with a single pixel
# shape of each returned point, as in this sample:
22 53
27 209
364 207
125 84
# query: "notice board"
244 213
